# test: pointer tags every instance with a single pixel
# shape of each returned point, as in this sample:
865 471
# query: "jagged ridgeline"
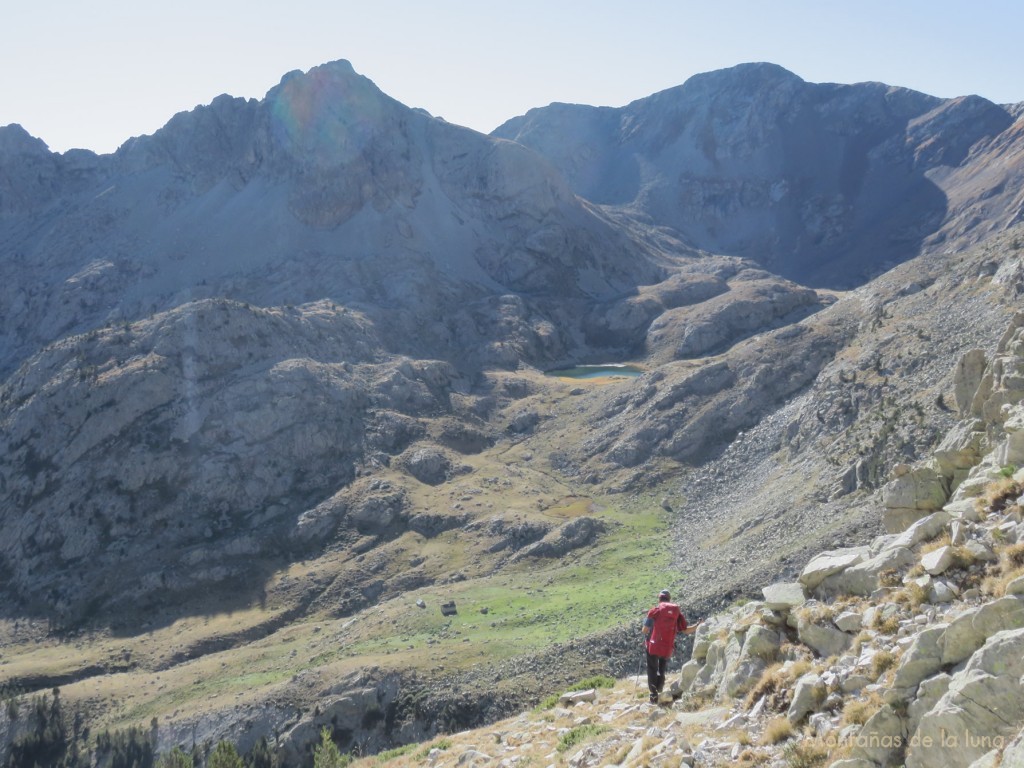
273 390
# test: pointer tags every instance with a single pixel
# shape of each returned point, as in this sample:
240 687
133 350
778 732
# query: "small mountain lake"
618 370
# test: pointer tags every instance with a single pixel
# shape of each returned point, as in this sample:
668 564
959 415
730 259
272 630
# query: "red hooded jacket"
665 620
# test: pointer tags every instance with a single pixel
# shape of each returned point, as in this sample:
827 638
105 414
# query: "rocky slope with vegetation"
273 396
905 651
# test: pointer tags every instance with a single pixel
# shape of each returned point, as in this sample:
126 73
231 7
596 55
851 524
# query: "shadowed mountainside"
824 184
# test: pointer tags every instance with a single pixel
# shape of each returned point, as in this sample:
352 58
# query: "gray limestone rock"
428 465
762 642
984 702
928 694
921 660
926 528
969 631
883 738
783 596
967 376
863 578
938 561
849 621
808 694
832 562
825 641
581 532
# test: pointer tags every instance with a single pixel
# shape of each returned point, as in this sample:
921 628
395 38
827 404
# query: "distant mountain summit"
327 188
824 184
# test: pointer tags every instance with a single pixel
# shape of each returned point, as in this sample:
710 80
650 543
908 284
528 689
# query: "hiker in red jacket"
662 624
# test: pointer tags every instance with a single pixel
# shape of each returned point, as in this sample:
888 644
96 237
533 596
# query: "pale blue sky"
92 74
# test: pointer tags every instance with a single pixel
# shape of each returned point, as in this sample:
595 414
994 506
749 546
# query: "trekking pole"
636 681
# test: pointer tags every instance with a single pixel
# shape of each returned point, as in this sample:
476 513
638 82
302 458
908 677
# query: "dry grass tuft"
1013 557
806 753
772 683
754 757
912 595
890 577
777 729
940 541
882 662
859 711
817 613
999 493
887 625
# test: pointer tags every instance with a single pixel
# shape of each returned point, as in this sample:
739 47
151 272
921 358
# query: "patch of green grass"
536 602
441 744
578 735
598 681
548 702
391 754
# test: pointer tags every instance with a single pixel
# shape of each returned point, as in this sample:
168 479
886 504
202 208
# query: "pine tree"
261 756
175 759
225 755
326 754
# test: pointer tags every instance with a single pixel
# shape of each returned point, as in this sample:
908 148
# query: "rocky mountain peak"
15 140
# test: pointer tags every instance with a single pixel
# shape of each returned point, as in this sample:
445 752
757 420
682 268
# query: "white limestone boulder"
831 562
783 596
969 631
982 708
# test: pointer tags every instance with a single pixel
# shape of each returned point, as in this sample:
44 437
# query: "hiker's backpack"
667 620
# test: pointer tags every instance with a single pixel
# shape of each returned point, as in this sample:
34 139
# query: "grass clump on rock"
578 735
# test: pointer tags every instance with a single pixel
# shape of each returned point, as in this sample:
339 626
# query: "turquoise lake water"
597 371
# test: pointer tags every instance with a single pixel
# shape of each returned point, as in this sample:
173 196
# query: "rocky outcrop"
577 533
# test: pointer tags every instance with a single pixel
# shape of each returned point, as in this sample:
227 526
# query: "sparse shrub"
771 682
859 711
753 757
1013 557
548 702
942 540
800 668
391 754
887 625
777 729
693 701
578 735
999 493
1008 471
621 754
912 595
818 613
1009 567
882 662
598 681
441 744
890 577
806 753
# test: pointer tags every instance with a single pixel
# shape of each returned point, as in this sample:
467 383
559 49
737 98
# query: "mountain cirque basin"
268 384
608 370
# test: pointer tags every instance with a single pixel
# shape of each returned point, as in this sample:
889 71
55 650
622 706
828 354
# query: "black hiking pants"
656 666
